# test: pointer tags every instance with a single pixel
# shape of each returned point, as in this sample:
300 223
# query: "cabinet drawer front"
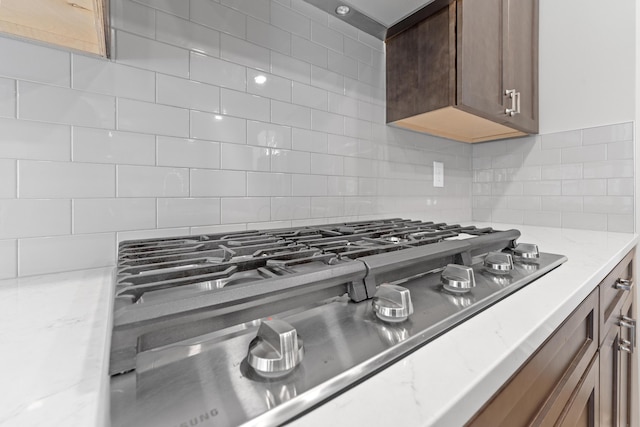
542 387
611 298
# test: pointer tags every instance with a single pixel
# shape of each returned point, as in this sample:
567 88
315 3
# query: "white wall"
587 63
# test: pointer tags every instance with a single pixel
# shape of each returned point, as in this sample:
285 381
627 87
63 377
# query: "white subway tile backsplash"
241 52
34 218
9 257
561 139
309 185
268 184
152 234
620 223
27 62
605 134
242 104
290 21
63 180
290 115
62 105
327 122
584 221
216 127
570 171
620 187
180 8
308 140
103 215
341 64
133 17
343 105
358 50
310 96
245 157
110 78
308 51
290 68
189 35
107 146
217 72
609 169
327 37
257 8
309 11
146 117
542 219
21 139
354 166
268 36
343 27
188 212
290 161
327 207
592 153
342 145
182 152
371 41
246 209
324 164
327 80
151 55
543 157
268 85
8 178
609 204
342 186
218 17
562 203
65 253
147 181
218 183
585 187
285 208
7 98
620 150
268 135
189 94
358 128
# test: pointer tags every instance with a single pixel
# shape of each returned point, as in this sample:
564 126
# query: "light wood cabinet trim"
453 123
78 24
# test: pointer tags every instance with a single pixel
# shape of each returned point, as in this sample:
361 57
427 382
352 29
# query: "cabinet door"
628 367
479 68
582 409
520 61
610 378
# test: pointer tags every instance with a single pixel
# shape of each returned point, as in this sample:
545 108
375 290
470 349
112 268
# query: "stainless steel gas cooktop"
258 327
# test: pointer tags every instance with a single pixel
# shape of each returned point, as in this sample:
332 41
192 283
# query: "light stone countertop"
54 341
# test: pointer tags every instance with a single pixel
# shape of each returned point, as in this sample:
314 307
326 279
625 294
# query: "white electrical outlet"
438 174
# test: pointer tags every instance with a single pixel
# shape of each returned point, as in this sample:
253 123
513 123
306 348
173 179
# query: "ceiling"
387 12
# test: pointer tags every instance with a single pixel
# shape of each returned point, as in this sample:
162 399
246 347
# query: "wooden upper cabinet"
77 24
457 72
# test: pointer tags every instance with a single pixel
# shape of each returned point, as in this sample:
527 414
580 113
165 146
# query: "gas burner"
283 319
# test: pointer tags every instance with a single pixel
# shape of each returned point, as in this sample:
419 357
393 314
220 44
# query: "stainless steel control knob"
498 262
392 303
276 350
526 250
458 279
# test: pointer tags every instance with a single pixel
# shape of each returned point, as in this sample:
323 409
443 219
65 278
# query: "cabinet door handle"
628 322
515 102
623 284
625 345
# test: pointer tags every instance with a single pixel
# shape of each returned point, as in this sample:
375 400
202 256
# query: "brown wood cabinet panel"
612 298
628 366
582 409
609 378
540 390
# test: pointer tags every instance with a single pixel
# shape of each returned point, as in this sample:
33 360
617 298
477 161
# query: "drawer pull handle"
623 284
625 345
628 322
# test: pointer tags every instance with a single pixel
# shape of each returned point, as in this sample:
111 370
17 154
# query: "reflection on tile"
243 157
268 135
268 85
216 127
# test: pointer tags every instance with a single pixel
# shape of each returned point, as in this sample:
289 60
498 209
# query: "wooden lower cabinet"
585 374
